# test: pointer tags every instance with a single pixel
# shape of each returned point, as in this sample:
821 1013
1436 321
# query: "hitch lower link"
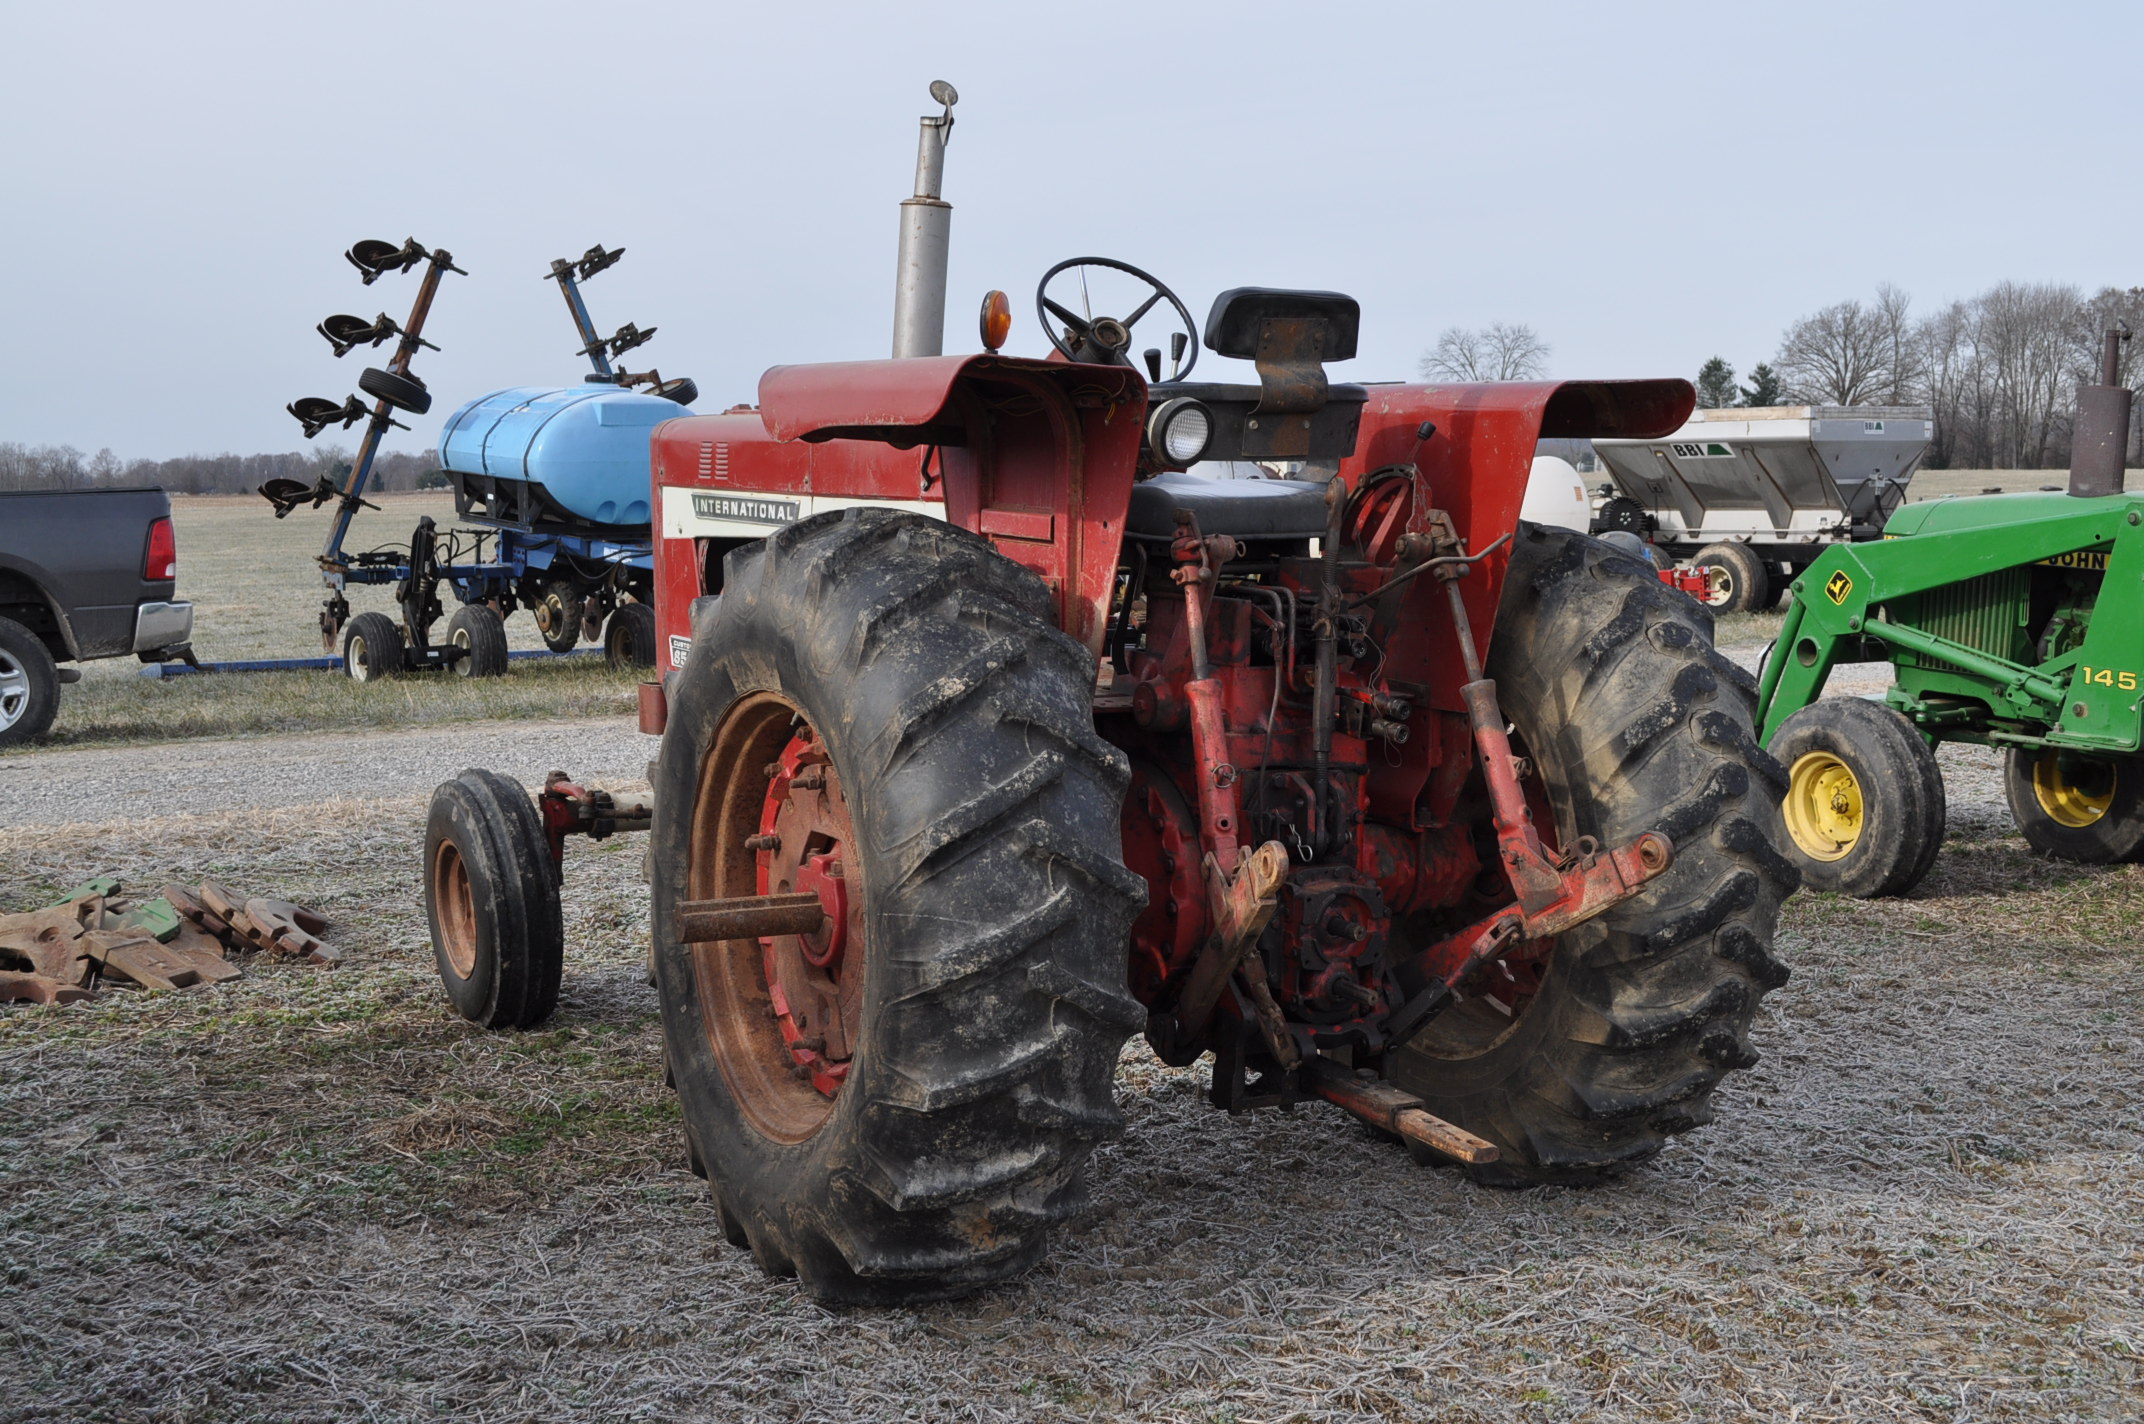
570 809
1242 886
1554 894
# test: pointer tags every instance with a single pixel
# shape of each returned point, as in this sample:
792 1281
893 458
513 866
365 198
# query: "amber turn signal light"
997 320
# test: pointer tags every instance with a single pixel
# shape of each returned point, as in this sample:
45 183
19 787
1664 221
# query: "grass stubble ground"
318 1195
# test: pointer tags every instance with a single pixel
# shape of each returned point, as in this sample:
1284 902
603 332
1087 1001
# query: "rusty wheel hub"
782 1012
815 981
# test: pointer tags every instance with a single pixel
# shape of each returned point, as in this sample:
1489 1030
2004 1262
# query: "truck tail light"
161 563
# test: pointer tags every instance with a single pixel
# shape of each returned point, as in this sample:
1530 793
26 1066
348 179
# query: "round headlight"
1180 430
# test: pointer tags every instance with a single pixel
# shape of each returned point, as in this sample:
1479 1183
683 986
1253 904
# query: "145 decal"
2108 677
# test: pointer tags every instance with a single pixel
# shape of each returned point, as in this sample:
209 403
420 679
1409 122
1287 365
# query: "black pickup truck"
83 574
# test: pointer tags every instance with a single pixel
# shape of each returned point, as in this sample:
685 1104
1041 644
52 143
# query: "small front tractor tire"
2073 807
29 685
898 1109
491 895
1864 808
629 642
1739 581
1633 722
481 635
372 648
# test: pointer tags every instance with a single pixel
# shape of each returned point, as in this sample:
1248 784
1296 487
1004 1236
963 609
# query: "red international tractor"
996 730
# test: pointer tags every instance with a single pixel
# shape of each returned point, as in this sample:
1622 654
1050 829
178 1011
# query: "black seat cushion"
1244 509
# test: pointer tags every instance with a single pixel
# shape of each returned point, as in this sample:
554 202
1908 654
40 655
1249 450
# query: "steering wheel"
1107 340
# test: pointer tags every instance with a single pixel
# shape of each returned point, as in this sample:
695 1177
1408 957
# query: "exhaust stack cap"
926 233
2101 442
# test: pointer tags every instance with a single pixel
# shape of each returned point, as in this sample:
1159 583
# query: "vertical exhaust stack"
2102 439
926 231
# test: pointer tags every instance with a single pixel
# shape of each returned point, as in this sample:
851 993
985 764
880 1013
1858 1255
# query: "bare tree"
1899 340
1835 357
1503 351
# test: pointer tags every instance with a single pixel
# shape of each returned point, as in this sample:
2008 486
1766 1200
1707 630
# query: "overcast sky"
1646 185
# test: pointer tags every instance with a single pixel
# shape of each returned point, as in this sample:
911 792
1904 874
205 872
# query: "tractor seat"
1242 509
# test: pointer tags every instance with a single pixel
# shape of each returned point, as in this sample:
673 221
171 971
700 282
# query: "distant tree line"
62 467
2000 370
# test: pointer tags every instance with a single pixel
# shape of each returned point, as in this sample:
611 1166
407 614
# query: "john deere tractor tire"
629 641
481 635
372 648
2086 809
29 685
491 895
1739 581
899 1106
1864 808
558 616
1632 722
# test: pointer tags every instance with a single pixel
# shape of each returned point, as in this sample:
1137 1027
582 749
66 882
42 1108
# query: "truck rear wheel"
1592 1052
878 708
2086 809
29 685
1864 808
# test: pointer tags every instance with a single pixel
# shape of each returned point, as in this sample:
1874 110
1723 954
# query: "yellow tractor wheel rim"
1823 810
2074 790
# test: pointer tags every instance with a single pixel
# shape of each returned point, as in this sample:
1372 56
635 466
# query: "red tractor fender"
1474 468
1036 456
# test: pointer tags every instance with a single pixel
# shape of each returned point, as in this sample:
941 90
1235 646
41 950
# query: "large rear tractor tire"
2072 807
898 1107
1865 807
1611 1040
491 895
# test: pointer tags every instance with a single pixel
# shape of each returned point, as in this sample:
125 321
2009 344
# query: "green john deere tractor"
2015 621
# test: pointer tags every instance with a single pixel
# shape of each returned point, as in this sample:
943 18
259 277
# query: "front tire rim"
781 1013
2074 791
1824 809
360 661
1719 586
466 663
14 691
454 908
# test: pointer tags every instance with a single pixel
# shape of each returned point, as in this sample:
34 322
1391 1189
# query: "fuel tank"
555 457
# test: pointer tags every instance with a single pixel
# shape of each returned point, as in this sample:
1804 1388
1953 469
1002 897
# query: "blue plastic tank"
585 446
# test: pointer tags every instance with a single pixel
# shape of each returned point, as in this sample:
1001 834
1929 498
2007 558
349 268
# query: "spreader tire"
492 898
1739 581
29 685
989 907
372 648
2086 809
1864 809
629 642
481 633
1633 722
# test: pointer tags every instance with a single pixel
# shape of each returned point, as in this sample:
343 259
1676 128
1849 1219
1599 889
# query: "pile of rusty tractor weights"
94 937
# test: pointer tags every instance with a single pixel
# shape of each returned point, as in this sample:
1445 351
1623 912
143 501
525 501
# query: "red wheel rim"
781 1013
